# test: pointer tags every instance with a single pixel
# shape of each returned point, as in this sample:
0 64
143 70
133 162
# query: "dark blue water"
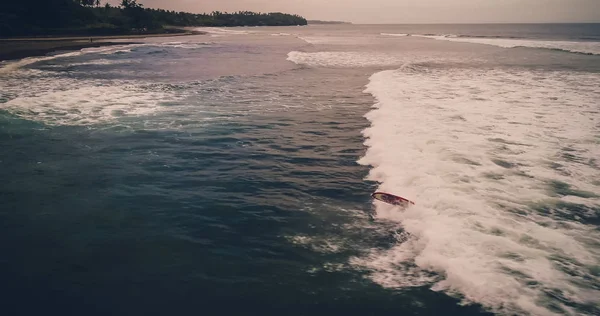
216 178
154 222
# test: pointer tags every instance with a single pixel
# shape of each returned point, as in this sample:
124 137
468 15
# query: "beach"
18 48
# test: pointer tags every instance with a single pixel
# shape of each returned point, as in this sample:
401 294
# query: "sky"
403 11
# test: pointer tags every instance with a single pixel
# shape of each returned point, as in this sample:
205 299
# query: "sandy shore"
21 49
17 48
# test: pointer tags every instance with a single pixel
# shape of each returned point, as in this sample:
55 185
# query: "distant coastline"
39 18
38 27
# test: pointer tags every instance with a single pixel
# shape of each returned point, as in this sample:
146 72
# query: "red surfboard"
391 199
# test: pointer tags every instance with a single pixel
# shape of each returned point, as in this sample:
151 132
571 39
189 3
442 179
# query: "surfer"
391 199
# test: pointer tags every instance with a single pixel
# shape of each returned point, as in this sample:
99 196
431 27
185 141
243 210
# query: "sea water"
230 173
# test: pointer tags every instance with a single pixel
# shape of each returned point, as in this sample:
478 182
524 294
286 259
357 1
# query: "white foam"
8 67
357 59
348 59
107 49
220 31
322 245
187 45
336 40
319 40
344 59
55 99
570 46
472 147
100 62
395 34
86 105
118 51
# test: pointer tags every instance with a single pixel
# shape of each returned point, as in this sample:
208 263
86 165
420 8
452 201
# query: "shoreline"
19 48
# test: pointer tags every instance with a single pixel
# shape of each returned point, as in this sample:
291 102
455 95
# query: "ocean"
230 173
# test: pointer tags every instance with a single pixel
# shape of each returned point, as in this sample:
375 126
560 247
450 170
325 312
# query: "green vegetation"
89 17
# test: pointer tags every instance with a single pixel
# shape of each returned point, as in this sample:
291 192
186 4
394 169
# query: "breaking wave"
503 167
592 48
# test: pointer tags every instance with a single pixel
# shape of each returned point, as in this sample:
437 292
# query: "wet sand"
18 48
10 50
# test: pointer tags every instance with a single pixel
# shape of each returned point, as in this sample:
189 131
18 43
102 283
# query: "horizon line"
455 23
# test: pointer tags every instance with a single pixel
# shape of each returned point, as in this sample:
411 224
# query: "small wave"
187 45
317 40
592 48
217 31
336 40
393 34
485 36
367 59
8 67
345 59
120 49
305 39
100 62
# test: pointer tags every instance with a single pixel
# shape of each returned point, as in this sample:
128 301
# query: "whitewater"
584 47
503 164
505 170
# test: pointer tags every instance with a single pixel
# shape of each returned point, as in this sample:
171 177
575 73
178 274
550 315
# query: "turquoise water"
232 172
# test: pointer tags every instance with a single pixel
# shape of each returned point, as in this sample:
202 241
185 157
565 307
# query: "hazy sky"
403 11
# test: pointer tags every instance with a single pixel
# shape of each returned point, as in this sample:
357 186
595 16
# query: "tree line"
91 17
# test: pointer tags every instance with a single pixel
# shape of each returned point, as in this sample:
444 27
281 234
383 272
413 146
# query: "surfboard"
391 199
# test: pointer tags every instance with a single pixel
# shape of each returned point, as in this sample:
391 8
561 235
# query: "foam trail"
187 45
337 40
86 105
217 31
354 59
502 165
99 62
8 67
11 66
395 34
345 59
569 46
